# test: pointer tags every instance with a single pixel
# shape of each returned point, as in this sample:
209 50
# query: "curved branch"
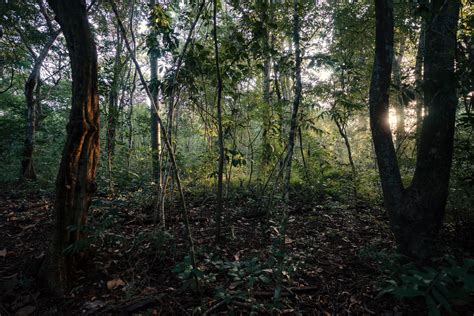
11 82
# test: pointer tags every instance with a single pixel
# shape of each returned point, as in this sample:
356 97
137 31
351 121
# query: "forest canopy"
236 156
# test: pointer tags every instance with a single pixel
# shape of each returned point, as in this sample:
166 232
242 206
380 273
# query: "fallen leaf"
25 311
3 253
115 283
27 226
149 290
94 304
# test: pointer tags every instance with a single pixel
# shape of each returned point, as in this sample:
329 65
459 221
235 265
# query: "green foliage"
94 233
450 282
192 278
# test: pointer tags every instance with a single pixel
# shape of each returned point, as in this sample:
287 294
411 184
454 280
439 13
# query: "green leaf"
440 298
264 279
198 273
432 307
469 283
403 292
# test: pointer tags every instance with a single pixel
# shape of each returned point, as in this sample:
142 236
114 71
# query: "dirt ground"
329 268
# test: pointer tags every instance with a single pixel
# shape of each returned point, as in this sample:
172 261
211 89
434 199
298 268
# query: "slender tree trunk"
32 87
156 140
76 177
400 103
297 99
416 213
291 145
114 98
130 119
155 130
343 133
113 110
167 143
172 102
300 138
220 134
419 80
267 102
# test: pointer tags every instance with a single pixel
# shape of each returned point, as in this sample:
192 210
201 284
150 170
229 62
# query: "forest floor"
334 254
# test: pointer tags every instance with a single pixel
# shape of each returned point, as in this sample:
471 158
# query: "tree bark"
113 111
400 103
416 213
267 111
167 143
156 154
291 145
75 182
296 101
32 87
155 130
419 80
220 134
343 132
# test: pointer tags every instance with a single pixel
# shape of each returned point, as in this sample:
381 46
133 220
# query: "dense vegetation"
267 157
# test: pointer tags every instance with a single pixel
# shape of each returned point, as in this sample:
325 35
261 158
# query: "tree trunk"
267 102
419 80
343 133
114 98
416 213
400 103
291 145
75 182
155 130
32 87
130 119
156 139
113 111
220 134
296 102
167 143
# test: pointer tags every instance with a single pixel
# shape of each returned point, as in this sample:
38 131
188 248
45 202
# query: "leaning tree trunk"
75 182
416 213
32 103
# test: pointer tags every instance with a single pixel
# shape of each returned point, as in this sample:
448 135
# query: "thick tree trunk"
32 87
75 182
416 213
428 192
